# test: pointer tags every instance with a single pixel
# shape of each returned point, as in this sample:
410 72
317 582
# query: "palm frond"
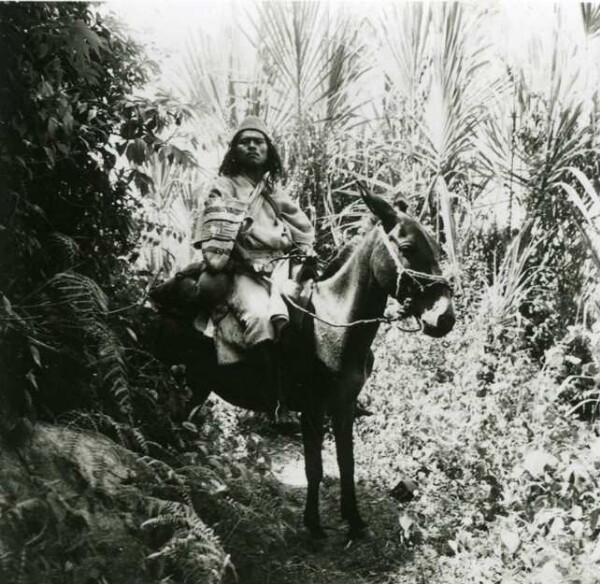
447 215
586 212
169 214
513 283
406 30
312 58
212 80
459 95
590 15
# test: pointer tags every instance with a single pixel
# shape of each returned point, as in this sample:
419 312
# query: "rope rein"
380 319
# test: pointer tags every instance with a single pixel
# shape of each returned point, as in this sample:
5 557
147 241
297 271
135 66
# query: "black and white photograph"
299 292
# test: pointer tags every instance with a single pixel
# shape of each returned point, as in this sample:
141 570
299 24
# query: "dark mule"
328 365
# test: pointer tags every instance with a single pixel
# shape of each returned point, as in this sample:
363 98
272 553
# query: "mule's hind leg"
201 370
343 420
312 436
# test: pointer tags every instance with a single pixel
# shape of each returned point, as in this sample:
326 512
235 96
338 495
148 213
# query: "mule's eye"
401 244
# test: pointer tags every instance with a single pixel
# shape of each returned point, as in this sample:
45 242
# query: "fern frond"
80 293
64 249
111 365
166 520
156 506
100 423
193 548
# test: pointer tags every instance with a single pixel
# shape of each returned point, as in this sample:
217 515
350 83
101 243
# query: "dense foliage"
67 206
493 425
71 309
472 469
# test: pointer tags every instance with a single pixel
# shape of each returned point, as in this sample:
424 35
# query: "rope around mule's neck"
378 319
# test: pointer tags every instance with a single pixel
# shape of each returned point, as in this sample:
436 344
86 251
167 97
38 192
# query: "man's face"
251 149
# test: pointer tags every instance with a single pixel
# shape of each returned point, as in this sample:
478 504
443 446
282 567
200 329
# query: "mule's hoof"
360 411
317 546
360 531
317 533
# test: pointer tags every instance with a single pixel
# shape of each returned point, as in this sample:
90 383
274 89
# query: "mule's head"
405 263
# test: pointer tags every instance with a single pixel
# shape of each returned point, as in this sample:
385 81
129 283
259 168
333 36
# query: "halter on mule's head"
405 263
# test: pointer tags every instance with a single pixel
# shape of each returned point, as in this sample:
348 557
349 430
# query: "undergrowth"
505 465
506 474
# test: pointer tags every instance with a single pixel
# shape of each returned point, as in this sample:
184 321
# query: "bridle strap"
415 275
400 269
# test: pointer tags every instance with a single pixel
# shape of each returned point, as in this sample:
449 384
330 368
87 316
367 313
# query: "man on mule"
249 230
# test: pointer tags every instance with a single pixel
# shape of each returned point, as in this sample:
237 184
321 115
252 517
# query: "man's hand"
309 269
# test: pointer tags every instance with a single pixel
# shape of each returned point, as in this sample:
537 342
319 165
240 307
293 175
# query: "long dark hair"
230 165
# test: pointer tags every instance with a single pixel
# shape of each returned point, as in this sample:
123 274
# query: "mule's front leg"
312 437
343 420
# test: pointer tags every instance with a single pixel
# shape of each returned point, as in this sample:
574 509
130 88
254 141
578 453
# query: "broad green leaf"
510 540
137 151
536 461
35 354
51 156
7 305
406 523
33 380
132 334
548 574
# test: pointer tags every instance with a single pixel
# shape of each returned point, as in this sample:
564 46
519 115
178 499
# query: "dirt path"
335 560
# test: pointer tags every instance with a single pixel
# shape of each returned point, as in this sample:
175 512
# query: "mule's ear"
379 207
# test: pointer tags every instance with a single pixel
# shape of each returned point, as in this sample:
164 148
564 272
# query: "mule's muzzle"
444 325
438 320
